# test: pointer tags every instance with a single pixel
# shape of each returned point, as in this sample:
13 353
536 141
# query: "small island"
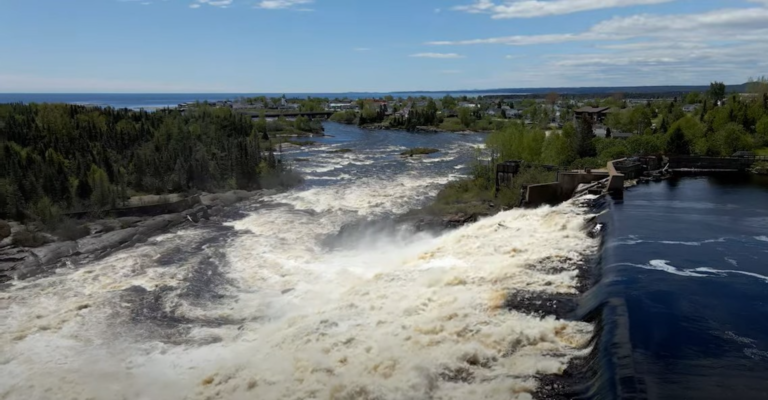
419 151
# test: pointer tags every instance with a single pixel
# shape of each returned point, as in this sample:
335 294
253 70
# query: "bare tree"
552 98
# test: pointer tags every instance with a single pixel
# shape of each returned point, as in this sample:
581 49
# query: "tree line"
76 158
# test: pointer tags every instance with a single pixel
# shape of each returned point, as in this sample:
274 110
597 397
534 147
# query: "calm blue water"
135 101
688 258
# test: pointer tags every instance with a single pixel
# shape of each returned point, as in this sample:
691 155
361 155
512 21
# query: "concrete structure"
541 194
569 183
631 168
615 180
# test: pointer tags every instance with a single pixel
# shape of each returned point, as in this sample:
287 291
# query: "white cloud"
194 5
283 4
451 71
361 49
726 45
541 8
727 24
438 11
436 55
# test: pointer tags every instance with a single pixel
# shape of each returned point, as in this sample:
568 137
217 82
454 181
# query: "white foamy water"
396 317
701 272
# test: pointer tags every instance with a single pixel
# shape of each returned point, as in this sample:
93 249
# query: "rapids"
263 310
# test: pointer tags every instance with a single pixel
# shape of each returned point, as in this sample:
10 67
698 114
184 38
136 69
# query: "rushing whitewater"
264 311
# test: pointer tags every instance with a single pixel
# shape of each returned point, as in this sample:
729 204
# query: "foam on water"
368 196
397 317
701 272
633 240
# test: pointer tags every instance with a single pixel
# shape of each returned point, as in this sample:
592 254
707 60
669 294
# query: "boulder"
104 226
5 230
53 252
129 222
107 241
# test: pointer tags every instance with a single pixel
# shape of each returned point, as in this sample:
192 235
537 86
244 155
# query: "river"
686 275
260 308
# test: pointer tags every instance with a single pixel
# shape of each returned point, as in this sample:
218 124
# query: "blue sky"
246 46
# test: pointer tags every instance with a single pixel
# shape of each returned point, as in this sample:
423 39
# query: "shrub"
69 229
27 238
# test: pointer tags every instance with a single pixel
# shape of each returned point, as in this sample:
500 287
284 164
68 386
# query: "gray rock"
10 260
5 230
216 210
7 242
53 252
228 199
129 222
107 241
104 226
152 225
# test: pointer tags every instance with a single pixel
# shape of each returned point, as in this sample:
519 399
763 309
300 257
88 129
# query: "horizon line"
380 92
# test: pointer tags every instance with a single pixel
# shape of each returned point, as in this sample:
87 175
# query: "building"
689 108
341 106
596 114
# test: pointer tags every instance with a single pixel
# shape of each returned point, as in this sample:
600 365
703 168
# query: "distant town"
615 115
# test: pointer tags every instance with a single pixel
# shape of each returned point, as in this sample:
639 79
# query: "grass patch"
761 152
418 151
452 125
341 151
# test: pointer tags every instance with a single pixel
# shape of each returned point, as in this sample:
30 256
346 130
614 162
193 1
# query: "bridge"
290 114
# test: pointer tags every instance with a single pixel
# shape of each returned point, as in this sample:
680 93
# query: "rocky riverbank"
25 253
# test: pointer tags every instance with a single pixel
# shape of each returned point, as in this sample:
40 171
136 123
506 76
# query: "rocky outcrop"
107 236
5 230
427 129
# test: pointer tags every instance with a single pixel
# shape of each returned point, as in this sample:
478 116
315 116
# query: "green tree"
449 102
717 91
693 98
663 126
761 132
102 195
732 138
584 135
677 144
465 117
557 150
